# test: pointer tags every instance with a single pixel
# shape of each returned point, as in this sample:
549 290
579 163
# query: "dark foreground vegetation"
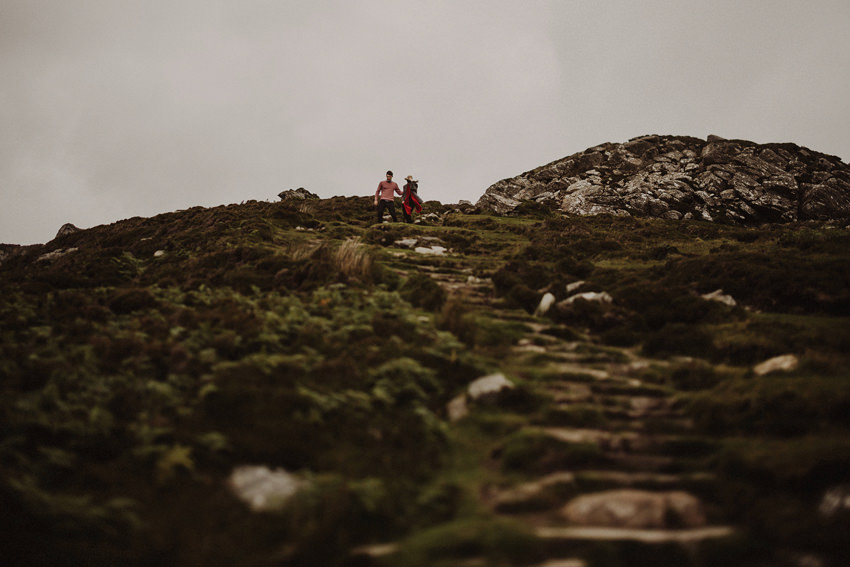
141 362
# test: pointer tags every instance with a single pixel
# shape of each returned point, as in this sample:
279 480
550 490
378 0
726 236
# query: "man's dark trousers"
389 205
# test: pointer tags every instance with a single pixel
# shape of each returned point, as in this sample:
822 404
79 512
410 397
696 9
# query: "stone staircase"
646 494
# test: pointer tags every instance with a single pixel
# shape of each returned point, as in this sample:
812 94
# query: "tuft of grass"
354 260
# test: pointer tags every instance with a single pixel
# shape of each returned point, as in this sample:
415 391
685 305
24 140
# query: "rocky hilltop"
678 177
294 384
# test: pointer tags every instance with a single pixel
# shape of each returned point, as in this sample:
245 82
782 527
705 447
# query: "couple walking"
385 198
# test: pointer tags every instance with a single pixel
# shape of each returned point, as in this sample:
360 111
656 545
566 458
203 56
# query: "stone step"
546 493
679 547
683 536
701 484
667 424
592 480
556 489
540 357
571 409
619 406
571 562
642 463
571 371
630 387
625 414
567 392
635 443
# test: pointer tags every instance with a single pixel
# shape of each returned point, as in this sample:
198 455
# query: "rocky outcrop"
676 177
299 194
67 228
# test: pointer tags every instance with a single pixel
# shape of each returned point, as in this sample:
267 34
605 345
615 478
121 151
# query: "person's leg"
391 207
381 205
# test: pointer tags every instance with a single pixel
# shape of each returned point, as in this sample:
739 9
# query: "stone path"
646 481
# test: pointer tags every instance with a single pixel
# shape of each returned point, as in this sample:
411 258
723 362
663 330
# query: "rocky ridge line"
679 177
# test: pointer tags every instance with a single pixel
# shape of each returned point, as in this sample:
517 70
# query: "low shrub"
422 291
597 316
694 376
680 339
125 301
771 405
523 296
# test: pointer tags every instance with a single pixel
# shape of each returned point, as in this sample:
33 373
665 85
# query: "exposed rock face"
675 177
67 228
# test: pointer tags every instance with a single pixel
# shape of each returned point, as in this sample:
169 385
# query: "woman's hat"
409 178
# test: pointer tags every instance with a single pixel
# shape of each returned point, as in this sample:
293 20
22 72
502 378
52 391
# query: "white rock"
719 296
406 242
784 363
546 303
488 387
263 489
571 287
159 253
601 297
433 250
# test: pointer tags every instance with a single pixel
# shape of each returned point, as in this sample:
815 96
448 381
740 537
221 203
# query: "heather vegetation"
141 362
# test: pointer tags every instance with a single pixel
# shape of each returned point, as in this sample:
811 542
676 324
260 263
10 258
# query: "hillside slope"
291 384
679 177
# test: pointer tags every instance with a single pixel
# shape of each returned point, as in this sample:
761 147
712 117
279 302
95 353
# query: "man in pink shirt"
384 197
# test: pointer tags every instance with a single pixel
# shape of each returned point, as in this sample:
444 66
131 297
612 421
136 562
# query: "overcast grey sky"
111 109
